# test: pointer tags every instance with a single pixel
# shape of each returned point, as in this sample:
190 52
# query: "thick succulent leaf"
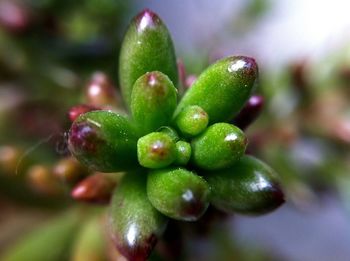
223 88
153 101
147 47
178 193
220 146
250 112
104 141
134 223
249 187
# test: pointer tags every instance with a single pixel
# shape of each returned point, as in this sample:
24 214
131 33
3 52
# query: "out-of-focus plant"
46 48
160 161
305 129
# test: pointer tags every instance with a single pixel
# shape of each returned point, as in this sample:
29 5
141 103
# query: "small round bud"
183 152
156 150
192 120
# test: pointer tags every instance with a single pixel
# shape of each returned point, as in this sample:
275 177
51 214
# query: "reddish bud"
97 188
100 91
182 74
250 112
76 111
14 17
190 80
146 19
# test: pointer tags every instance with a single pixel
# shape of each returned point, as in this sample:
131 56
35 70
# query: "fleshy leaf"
178 193
104 141
135 223
147 47
223 88
249 187
153 101
220 146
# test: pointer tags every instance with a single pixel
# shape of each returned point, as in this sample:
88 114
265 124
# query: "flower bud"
156 150
183 152
192 120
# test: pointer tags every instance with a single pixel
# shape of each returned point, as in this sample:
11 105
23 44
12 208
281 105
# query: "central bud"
156 150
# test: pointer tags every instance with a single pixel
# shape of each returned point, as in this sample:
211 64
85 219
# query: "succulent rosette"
179 153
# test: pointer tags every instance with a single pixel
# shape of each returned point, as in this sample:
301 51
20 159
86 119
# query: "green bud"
156 150
223 88
170 132
192 120
178 193
220 146
104 141
135 223
153 101
248 187
183 152
147 47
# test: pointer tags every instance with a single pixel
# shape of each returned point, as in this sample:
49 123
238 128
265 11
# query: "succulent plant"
179 153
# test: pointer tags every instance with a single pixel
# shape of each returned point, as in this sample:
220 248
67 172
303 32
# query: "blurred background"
50 50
